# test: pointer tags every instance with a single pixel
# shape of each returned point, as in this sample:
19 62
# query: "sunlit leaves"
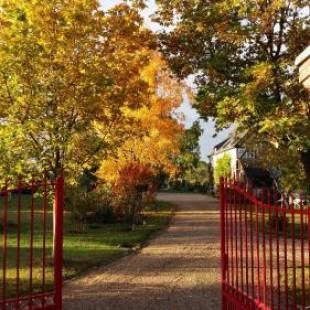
67 70
243 54
155 135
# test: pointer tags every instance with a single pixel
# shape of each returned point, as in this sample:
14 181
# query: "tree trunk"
305 159
133 216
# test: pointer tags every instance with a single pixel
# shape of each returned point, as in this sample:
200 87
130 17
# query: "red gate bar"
223 246
4 247
58 242
27 234
265 239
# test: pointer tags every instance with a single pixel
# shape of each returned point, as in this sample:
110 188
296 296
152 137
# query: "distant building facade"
303 64
244 163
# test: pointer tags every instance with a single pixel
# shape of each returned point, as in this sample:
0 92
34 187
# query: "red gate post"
58 241
5 243
223 253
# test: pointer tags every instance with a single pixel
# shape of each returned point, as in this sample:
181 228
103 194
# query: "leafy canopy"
67 72
242 53
155 133
189 157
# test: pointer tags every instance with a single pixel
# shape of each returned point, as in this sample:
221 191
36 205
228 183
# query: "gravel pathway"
177 270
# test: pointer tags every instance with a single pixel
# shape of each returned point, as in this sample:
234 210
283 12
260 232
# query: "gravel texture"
178 270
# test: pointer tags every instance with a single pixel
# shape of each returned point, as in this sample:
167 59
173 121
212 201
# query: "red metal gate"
32 237
265 249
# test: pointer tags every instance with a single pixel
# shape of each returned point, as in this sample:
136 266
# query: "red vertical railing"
44 220
27 217
223 231
5 245
265 249
270 228
31 244
58 242
19 202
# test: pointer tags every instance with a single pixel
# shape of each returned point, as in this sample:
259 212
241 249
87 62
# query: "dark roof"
233 141
218 146
258 176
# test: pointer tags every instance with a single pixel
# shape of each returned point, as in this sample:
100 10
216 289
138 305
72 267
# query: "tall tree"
155 131
243 53
189 157
67 69
132 170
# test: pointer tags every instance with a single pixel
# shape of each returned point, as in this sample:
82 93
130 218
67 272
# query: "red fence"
31 252
265 249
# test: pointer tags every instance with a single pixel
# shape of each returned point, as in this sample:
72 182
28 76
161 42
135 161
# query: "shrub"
222 168
102 210
77 203
88 207
134 182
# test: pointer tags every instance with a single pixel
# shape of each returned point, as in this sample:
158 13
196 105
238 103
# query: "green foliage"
189 157
193 174
87 206
289 170
200 174
243 54
222 168
197 179
78 203
175 186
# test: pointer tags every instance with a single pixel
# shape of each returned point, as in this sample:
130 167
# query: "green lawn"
294 227
101 244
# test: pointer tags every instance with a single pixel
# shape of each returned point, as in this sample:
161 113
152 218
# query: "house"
303 64
244 163
233 147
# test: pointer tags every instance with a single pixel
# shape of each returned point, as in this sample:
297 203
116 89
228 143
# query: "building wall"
303 63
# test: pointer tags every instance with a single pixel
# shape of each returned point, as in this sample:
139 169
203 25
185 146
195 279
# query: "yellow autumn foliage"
155 133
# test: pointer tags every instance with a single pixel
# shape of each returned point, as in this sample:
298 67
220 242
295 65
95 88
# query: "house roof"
303 57
233 141
260 177
218 146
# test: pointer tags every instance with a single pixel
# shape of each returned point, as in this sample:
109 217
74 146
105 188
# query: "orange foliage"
155 130
151 145
133 181
133 178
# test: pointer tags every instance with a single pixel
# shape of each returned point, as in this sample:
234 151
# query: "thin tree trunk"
133 216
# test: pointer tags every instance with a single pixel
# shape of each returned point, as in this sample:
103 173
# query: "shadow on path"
178 270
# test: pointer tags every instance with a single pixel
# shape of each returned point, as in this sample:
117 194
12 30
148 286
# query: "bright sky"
207 141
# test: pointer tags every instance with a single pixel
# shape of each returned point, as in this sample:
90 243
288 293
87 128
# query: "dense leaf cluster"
242 53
